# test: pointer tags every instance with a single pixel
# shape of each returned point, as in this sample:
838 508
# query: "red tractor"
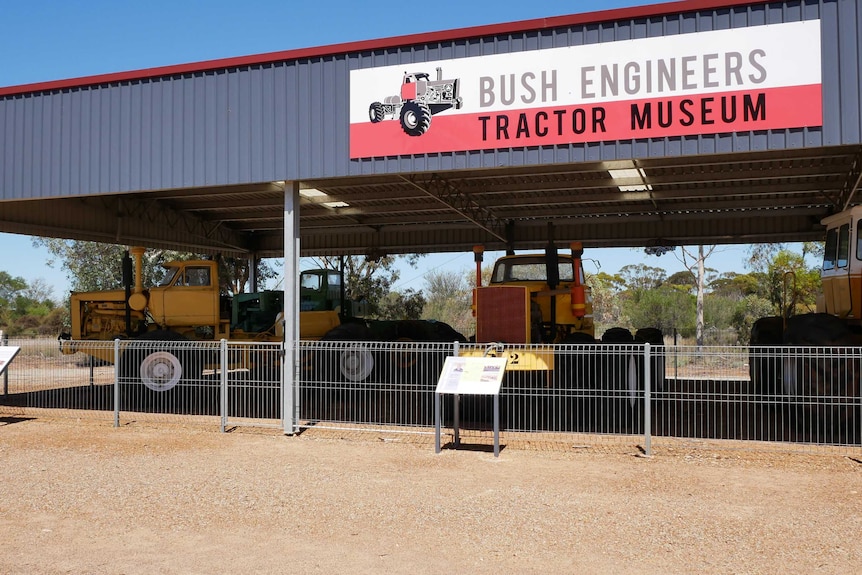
420 99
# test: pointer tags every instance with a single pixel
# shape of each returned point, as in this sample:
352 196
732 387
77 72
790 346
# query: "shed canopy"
684 200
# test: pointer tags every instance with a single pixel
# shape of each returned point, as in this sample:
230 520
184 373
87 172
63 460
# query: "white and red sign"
756 78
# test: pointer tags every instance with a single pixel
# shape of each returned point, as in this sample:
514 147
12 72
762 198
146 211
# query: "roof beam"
450 196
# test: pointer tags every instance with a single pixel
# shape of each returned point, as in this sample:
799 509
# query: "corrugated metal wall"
289 120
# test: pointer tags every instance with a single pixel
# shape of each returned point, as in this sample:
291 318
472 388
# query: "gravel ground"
83 497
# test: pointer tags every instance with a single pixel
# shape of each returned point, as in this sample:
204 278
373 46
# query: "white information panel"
472 375
7 354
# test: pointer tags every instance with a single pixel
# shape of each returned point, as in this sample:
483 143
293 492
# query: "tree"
449 297
27 309
793 285
234 274
665 308
749 310
759 255
9 289
692 262
607 303
641 277
683 279
736 286
402 305
92 266
696 266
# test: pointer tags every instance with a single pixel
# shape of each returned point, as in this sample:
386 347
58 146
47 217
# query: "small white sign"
472 375
7 354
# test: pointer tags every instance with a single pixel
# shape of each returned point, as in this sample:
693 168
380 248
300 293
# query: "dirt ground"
83 497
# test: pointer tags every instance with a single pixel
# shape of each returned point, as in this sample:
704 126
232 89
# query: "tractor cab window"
843 246
830 250
859 240
310 281
171 272
197 276
836 253
529 269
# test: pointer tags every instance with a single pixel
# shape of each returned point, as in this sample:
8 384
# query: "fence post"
647 402
456 404
116 383
289 384
223 383
4 339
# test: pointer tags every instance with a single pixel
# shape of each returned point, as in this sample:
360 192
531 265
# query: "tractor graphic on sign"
420 99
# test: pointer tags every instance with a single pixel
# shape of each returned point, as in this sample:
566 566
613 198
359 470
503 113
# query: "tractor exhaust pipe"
138 301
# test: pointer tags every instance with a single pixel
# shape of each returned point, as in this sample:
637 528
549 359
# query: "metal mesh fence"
369 383
156 380
602 393
251 384
41 378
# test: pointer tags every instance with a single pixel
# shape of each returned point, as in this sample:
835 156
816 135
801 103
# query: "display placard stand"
469 376
7 354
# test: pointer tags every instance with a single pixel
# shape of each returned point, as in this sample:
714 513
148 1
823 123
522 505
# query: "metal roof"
725 198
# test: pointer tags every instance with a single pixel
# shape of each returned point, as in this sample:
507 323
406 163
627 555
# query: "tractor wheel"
654 337
822 378
161 370
375 112
617 378
148 373
415 118
354 362
574 373
764 363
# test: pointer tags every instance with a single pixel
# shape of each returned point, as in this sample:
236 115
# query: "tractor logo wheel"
375 112
415 118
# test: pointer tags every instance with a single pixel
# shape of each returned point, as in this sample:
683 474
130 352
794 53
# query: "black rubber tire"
574 381
764 367
654 337
375 112
415 118
617 335
819 384
350 331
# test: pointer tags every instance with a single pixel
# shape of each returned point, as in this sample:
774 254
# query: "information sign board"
7 354
472 375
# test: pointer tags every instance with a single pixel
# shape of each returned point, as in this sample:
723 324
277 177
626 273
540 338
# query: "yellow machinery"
533 299
186 305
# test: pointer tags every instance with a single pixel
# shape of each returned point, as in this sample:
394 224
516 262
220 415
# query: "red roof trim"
630 13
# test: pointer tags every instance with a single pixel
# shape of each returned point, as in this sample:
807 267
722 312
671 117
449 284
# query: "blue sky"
44 40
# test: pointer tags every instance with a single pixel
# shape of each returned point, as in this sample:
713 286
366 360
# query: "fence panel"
253 384
805 396
159 378
369 383
42 378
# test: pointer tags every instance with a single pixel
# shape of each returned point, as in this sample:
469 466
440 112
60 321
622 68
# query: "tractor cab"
320 290
841 273
410 77
534 298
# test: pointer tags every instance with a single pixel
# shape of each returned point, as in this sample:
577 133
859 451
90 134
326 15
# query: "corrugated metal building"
199 155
